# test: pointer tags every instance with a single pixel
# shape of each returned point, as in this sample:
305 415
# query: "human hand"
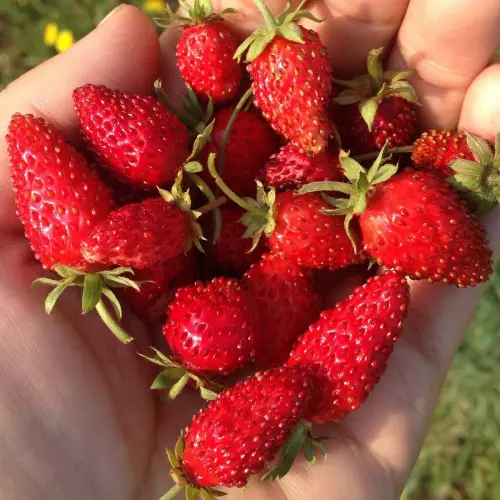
75 409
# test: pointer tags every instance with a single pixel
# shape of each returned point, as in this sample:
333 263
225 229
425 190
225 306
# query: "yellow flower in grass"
154 6
50 34
65 40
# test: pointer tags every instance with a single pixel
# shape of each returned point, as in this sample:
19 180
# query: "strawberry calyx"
194 115
361 182
175 377
201 11
181 479
259 217
370 89
283 25
478 180
97 286
301 438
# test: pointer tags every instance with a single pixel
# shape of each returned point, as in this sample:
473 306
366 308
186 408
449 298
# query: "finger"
456 44
110 55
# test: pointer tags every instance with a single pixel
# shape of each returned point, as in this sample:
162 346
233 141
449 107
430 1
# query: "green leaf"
45 281
352 169
191 492
315 187
290 452
480 149
178 387
317 444
168 378
92 292
193 167
368 110
180 446
347 227
291 31
336 211
398 76
337 202
259 45
375 69
205 495
496 159
114 302
246 44
348 96
361 203
309 452
68 272
404 90
117 272
174 461
121 282
384 173
200 142
208 394
152 360
54 295
305 14
379 161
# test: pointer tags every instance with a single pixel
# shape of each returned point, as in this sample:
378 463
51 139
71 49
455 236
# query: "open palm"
78 420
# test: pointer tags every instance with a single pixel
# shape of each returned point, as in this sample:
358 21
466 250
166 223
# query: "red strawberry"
136 137
292 79
466 161
141 235
377 107
416 223
205 51
288 303
250 144
241 430
435 150
159 285
231 252
59 197
296 227
348 347
212 328
291 169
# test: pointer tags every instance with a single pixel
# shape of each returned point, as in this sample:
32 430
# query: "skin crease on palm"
78 420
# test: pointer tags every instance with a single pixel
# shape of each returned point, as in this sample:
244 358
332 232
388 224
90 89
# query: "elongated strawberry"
377 108
466 161
291 78
288 304
296 227
240 431
291 168
249 145
213 328
231 252
159 285
59 200
205 51
136 137
413 222
348 347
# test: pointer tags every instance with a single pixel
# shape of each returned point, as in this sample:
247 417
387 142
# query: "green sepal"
284 25
369 90
200 11
95 287
199 143
301 438
174 378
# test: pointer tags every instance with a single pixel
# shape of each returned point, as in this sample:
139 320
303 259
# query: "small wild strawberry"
291 78
213 328
288 303
238 433
377 108
136 137
348 347
205 51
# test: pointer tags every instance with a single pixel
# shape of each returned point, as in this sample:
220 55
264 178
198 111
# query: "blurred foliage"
461 457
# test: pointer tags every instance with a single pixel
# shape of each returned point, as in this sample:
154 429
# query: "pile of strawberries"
225 221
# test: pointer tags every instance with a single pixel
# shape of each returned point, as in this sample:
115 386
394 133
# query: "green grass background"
461 457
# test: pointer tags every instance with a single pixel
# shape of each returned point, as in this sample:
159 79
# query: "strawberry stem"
266 14
374 155
211 205
110 322
241 104
231 194
172 493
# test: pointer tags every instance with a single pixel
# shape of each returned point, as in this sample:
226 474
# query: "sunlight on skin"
77 416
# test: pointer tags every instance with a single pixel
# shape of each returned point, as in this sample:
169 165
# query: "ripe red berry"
136 137
348 347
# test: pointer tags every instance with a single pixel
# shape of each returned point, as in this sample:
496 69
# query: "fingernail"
112 13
